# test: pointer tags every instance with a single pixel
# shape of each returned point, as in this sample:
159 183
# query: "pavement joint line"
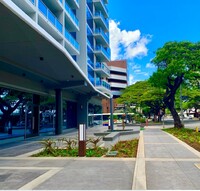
173 159
68 158
160 143
139 178
197 153
39 180
155 135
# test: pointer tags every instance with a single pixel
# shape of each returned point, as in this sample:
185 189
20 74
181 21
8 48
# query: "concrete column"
59 112
82 111
36 114
71 115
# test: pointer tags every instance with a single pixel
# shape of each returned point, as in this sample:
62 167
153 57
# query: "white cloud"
134 66
127 44
131 80
115 35
137 71
149 65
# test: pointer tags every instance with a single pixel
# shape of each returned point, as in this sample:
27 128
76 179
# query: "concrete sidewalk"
169 163
163 162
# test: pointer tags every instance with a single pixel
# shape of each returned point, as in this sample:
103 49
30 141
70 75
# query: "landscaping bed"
126 148
189 136
56 148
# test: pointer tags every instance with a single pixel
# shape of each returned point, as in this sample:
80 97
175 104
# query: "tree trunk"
5 119
177 121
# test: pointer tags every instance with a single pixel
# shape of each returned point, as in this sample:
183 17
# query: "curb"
139 178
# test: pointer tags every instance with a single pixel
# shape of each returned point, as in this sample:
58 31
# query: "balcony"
118 70
103 86
74 4
102 54
71 17
50 16
101 21
72 42
89 61
90 45
100 5
118 85
102 69
101 37
118 77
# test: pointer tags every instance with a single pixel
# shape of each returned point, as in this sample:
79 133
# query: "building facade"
118 81
58 48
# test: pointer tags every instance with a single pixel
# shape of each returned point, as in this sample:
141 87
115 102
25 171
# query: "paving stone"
167 176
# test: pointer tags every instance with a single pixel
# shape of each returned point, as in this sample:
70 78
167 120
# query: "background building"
118 81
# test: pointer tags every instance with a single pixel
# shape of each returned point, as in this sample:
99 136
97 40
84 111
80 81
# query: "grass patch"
126 148
189 136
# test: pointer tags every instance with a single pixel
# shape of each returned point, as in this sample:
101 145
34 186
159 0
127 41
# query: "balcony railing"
71 39
103 83
102 49
103 5
90 62
99 14
101 32
88 42
49 15
102 66
70 12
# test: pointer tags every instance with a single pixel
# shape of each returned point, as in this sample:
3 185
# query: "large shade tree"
178 62
143 95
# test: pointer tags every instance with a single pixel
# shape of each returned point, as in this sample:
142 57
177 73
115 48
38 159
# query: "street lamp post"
26 121
181 104
111 113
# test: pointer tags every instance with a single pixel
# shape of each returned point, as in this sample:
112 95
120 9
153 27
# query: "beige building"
118 81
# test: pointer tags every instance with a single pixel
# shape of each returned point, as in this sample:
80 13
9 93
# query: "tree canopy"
142 94
177 62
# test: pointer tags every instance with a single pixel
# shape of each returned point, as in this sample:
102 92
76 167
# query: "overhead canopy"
31 60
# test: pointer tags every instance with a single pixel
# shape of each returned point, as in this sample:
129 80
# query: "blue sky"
139 27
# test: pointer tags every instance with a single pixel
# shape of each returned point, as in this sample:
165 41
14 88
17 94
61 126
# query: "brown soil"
193 145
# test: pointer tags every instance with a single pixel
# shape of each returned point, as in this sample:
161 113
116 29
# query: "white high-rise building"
56 47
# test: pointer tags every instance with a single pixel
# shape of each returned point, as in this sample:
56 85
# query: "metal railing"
102 66
71 14
103 83
105 21
71 39
103 50
101 32
49 15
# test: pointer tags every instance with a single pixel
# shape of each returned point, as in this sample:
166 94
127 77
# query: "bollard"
197 129
82 140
